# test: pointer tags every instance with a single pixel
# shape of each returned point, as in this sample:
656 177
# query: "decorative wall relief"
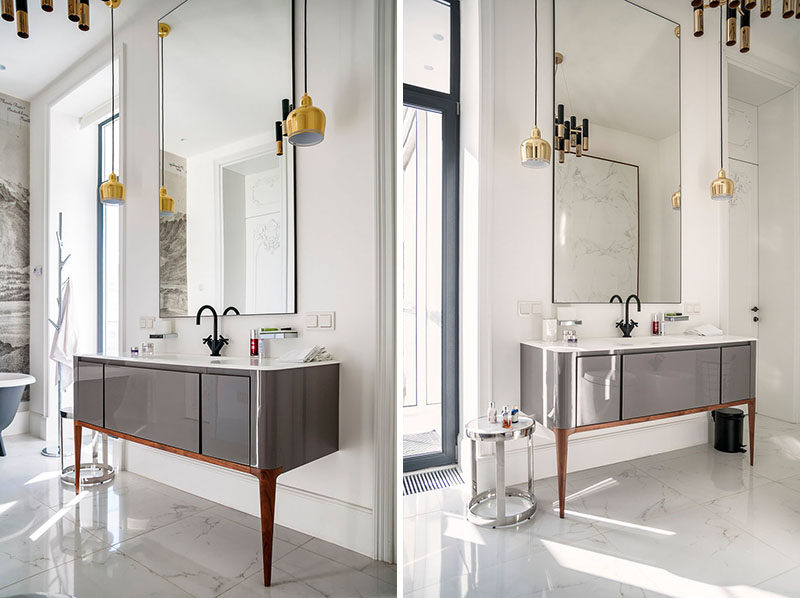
14 236
596 245
172 239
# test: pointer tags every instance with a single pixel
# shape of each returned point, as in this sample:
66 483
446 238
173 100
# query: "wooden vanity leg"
78 438
751 416
266 490
562 436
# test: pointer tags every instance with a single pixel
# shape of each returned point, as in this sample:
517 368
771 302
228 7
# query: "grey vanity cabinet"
737 373
158 405
598 390
89 386
666 381
225 428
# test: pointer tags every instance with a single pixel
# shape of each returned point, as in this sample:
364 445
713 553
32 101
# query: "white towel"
315 353
65 340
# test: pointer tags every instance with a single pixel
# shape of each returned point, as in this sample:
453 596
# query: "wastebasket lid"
730 413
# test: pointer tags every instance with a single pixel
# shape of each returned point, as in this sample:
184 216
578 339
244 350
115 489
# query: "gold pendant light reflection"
305 125
722 187
535 152
112 192
166 204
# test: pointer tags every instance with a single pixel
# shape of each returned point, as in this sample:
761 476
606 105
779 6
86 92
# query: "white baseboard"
37 425
18 425
593 449
339 522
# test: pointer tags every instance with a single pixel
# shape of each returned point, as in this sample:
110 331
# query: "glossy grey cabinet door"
225 430
89 393
157 405
598 390
654 383
736 374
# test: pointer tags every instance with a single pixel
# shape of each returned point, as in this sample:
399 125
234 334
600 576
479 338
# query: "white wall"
515 231
336 222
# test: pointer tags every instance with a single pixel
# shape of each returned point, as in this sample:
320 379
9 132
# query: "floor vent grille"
413 483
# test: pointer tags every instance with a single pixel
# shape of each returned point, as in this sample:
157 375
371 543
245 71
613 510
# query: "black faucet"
617 297
215 342
236 311
627 325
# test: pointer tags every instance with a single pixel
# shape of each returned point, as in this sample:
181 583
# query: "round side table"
480 430
94 473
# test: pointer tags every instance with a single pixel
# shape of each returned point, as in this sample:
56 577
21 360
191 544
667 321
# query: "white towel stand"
57 451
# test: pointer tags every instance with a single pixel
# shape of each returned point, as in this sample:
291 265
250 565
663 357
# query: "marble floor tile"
98 575
333 579
281 533
706 475
771 513
785 584
283 586
204 554
34 538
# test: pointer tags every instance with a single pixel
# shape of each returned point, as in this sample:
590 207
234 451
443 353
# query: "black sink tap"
627 325
236 311
217 341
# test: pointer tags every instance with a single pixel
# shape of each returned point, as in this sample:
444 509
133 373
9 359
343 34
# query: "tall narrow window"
108 249
429 221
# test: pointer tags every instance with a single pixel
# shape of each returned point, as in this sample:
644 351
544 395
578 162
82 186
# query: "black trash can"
729 430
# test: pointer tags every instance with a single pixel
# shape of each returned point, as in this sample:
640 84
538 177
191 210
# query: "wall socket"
323 320
529 308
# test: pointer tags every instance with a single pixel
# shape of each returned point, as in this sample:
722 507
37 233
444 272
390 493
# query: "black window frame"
447 104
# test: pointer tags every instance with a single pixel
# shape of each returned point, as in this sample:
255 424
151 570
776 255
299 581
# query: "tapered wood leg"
267 479
751 416
78 438
562 436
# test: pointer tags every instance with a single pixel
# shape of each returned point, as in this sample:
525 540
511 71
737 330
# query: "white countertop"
637 342
206 361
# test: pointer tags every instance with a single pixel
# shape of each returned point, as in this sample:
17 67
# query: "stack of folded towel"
315 353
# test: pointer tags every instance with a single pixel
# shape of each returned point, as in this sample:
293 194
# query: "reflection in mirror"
616 228
231 237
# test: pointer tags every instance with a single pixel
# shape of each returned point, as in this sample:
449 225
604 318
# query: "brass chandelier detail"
569 134
77 12
738 12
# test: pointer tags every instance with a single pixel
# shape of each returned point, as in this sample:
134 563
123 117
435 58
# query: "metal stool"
94 473
481 430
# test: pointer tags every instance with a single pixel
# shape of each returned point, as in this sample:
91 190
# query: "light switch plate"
324 320
146 322
312 321
529 308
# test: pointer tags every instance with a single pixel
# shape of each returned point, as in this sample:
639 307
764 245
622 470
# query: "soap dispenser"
491 413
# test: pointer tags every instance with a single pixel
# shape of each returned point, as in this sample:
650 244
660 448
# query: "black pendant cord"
721 32
535 62
113 103
305 47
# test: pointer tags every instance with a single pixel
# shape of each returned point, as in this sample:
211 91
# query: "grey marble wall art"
173 290
596 230
14 235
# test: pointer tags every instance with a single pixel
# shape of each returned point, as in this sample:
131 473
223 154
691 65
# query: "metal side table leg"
530 465
474 468
500 480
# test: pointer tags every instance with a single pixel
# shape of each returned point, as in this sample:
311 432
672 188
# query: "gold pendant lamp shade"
305 125
166 203
83 13
7 10
535 152
112 192
22 19
47 5
722 187
676 199
73 10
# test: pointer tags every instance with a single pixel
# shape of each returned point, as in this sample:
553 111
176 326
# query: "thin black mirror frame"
680 171
287 147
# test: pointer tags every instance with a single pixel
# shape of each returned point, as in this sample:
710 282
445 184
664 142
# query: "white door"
743 249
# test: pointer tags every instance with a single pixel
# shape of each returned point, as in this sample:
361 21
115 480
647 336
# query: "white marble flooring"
139 538
691 523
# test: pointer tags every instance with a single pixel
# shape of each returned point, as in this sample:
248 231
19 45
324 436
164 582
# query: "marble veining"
596 248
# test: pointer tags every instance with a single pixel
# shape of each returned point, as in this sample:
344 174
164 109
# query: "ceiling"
621 67
55 44
774 40
749 87
219 87
426 44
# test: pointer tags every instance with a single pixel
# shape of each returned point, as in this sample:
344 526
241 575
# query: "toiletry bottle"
254 342
661 322
515 415
506 417
656 323
491 413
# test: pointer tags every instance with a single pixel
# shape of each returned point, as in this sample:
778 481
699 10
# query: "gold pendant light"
166 205
47 5
721 187
22 19
676 199
83 13
73 12
112 192
305 125
535 152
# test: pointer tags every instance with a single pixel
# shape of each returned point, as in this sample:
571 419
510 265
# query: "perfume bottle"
515 415
506 417
491 413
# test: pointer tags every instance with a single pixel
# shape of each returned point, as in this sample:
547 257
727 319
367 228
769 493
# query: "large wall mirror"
616 192
224 69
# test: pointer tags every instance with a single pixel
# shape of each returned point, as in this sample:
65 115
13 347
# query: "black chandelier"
738 13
